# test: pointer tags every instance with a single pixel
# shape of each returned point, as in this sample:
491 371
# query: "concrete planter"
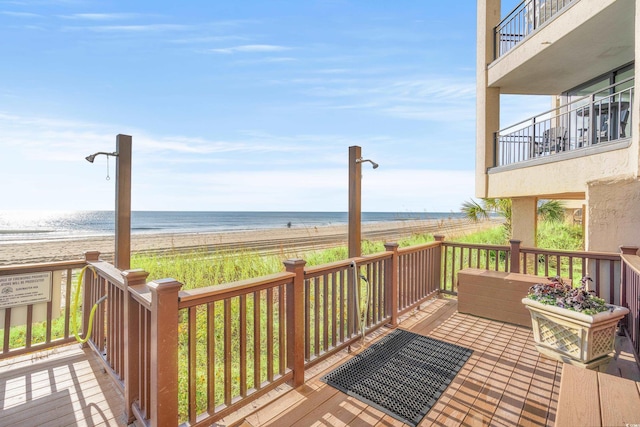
573 337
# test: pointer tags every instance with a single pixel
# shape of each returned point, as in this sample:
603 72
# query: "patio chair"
603 131
561 135
544 146
624 118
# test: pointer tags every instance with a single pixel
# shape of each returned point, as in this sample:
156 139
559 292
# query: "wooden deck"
65 386
504 383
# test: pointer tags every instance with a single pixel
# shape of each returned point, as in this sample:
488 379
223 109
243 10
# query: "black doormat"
402 375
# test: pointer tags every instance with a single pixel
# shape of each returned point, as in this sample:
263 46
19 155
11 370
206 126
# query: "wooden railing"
107 337
456 256
42 325
232 344
194 356
418 275
602 268
631 292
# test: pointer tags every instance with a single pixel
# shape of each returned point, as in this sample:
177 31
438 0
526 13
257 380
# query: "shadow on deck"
505 382
65 386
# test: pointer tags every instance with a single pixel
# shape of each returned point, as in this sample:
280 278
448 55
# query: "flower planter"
573 337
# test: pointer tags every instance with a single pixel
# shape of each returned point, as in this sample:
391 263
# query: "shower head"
374 164
90 158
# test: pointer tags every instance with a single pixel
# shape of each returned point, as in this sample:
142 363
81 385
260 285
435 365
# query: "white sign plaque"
25 289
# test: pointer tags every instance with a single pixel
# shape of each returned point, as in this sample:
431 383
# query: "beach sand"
289 242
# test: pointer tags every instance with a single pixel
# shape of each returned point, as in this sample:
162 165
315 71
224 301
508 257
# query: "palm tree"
548 210
551 210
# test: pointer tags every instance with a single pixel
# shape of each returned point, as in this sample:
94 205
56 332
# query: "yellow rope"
74 308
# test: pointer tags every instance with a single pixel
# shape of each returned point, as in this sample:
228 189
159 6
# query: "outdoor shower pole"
355 201
122 256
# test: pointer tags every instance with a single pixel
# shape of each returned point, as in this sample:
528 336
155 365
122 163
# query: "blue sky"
239 105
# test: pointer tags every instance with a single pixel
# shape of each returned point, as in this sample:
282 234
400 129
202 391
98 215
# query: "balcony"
523 20
251 353
546 47
601 119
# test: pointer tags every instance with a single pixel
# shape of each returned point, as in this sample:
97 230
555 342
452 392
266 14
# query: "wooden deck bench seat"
495 295
590 398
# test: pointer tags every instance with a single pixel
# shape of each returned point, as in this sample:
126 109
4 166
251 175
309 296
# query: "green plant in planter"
563 295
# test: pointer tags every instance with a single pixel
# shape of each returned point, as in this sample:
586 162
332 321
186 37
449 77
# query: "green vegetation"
549 211
560 236
18 335
202 268
492 236
551 235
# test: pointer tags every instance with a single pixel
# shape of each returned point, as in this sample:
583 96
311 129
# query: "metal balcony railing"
598 118
522 21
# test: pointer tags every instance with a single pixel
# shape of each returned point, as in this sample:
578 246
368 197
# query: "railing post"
164 352
514 260
439 261
628 250
625 250
295 320
437 274
392 282
89 256
496 145
92 256
131 340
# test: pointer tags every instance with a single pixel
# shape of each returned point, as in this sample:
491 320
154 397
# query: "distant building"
585 147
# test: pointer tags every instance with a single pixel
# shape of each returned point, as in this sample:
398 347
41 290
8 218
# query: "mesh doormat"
402 375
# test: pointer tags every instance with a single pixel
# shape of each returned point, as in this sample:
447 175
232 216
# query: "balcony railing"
599 118
524 20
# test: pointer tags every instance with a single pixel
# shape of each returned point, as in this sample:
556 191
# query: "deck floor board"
64 386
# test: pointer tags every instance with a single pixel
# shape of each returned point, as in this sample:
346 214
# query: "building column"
487 99
524 219
634 122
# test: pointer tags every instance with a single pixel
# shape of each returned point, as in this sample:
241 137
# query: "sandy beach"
288 242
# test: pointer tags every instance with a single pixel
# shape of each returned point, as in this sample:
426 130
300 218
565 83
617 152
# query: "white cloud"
20 14
251 48
207 39
130 28
255 171
100 16
432 99
316 189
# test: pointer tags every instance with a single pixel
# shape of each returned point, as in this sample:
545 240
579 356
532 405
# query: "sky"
240 105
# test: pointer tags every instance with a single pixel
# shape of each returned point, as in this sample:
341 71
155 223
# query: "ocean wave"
25 231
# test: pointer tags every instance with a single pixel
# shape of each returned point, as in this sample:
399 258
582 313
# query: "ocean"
17 226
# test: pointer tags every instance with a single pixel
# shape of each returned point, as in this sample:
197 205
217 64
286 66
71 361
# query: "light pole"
122 255
355 199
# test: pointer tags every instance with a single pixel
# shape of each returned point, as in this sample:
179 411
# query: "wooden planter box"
573 337
495 295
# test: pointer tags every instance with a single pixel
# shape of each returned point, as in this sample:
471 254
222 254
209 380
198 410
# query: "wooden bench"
495 295
590 398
